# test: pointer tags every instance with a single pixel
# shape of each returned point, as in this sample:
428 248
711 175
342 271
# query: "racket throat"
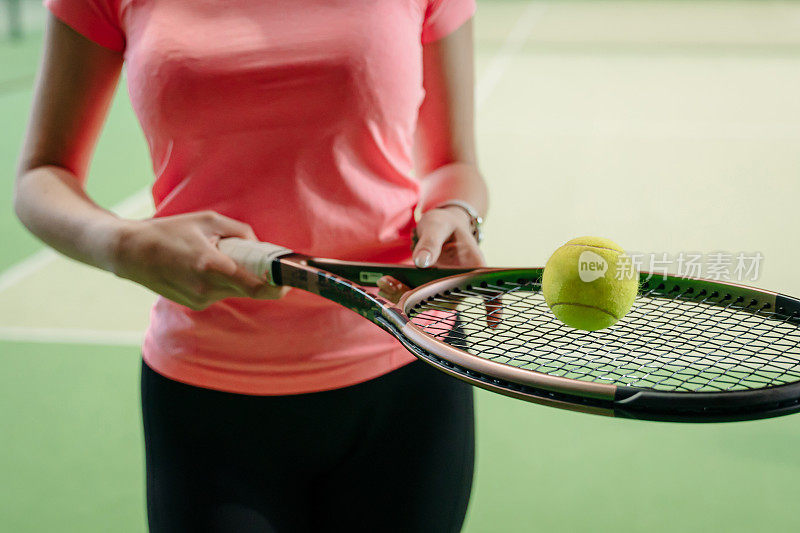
295 272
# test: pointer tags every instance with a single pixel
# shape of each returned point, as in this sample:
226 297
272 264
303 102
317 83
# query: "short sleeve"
97 20
443 17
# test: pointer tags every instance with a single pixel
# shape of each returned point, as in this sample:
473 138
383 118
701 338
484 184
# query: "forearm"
444 144
454 181
52 204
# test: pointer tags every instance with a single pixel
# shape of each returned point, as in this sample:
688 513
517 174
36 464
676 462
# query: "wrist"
109 242
474 219
458 213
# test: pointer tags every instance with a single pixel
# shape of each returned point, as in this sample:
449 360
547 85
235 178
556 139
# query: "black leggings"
392 454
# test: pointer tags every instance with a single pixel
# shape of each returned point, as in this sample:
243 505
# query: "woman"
296 122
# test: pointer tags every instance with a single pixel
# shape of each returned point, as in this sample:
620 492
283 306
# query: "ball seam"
587 306
598 247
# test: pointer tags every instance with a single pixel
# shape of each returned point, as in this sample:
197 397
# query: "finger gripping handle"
255 257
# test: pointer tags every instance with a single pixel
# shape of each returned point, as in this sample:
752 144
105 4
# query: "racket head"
689 350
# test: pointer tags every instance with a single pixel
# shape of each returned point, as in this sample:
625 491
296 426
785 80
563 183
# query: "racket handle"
255 257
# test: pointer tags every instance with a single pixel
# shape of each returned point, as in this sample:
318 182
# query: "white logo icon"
591 266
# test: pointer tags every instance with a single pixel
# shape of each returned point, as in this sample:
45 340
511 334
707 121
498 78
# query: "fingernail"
423 259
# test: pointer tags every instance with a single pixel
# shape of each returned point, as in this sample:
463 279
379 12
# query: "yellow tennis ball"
589 283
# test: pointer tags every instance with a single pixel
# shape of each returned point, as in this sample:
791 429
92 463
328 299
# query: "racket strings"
680 342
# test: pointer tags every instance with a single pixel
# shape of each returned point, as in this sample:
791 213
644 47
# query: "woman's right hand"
177 257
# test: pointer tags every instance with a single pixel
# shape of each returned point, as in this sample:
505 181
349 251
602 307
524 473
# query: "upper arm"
445 129
74 89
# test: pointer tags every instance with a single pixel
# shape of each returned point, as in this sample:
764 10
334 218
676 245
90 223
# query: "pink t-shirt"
296 117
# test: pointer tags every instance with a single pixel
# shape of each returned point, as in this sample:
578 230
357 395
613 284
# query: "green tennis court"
667 126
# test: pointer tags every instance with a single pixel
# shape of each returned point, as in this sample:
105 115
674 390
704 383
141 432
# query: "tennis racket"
690 350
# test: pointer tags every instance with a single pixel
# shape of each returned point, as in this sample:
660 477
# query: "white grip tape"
253 256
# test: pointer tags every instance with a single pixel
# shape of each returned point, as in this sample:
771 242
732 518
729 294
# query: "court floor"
668 126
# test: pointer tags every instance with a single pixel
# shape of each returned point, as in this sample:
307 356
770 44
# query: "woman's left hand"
444 239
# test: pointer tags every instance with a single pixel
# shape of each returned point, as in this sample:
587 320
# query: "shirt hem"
448 26
84 28
253 384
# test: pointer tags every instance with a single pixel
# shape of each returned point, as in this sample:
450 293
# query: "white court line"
514 42
485 86
134 204
19 271
71 336
129 207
